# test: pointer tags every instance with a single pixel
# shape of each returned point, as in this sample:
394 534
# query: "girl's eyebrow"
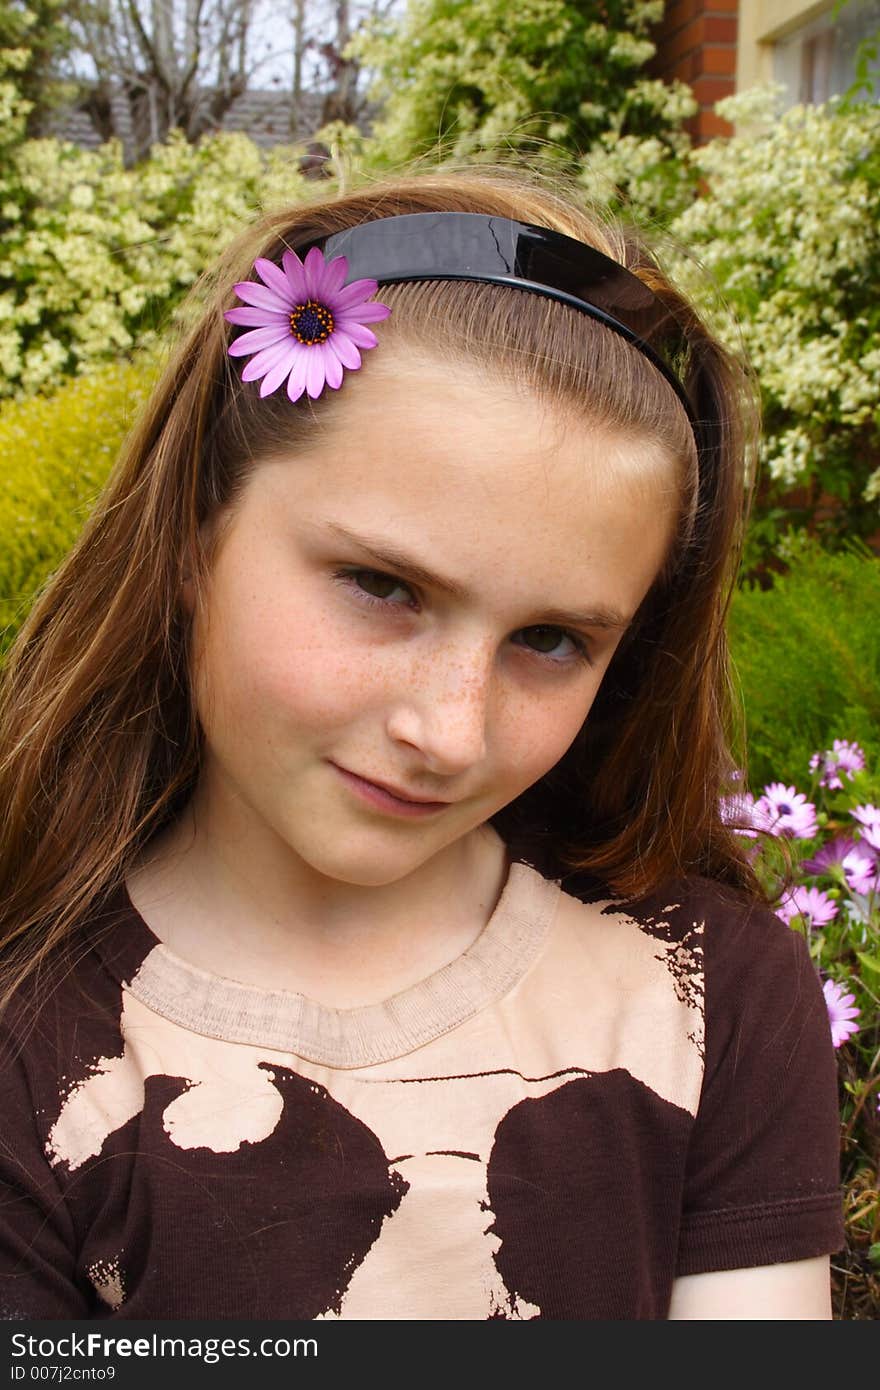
386 552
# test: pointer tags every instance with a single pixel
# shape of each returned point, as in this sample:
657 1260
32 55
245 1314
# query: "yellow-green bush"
57 452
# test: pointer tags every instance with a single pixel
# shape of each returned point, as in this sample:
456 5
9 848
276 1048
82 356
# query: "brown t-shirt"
594 1098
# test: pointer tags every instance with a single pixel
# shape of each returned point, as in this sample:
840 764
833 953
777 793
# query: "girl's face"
465 689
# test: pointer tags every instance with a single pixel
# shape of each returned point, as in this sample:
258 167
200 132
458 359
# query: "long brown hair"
100 745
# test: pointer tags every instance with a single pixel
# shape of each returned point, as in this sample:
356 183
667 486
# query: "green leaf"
869 962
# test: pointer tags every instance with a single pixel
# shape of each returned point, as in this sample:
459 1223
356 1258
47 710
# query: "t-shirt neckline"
283 1020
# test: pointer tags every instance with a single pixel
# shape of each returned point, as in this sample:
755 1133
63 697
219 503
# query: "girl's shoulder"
725 917
734 959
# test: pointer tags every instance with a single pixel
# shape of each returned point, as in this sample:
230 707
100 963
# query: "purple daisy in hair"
812 904
840 1012
786 811
844 757
306 323
846 856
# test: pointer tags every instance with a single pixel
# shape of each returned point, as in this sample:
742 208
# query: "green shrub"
807 657
57 452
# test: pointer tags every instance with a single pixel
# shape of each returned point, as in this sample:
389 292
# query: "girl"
374 945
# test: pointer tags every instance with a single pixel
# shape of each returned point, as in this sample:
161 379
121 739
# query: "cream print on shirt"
446 1132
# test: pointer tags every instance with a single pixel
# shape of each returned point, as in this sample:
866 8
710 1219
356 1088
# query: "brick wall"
696 42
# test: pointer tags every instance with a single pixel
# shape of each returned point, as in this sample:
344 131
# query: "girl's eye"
351 579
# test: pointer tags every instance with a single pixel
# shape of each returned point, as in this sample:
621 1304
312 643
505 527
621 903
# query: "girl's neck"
357 946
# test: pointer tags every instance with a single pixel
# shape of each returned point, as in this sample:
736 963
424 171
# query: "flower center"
311 322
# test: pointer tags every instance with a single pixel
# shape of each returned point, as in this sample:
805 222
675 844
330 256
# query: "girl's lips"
385 800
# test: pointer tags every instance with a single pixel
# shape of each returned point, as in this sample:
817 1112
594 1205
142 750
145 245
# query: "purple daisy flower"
786 811
861 871
306 323
871 835
844 855
812 904
830 856
840 1012
844 757
869 819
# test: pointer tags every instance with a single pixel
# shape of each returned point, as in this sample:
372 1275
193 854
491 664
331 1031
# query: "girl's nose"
443 711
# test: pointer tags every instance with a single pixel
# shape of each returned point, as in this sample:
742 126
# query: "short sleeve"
37 1239
762 1182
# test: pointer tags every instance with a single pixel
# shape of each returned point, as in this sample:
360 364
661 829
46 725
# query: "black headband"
472 246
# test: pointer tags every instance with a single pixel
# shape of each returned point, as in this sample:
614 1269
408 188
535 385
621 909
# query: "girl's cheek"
315 668
542 735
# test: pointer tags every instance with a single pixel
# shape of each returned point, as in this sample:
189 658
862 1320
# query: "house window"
818 60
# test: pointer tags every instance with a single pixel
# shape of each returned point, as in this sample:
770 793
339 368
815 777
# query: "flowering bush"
486 78
14 109
93 256
817 853
789 225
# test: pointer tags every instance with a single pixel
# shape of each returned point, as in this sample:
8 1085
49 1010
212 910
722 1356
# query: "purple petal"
314 266
256 318
345 350
267 359
259 338
333 277
275 278
252 293
315 377
368 313
293 269
358 334
332 367
355 293
296 382
274 377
